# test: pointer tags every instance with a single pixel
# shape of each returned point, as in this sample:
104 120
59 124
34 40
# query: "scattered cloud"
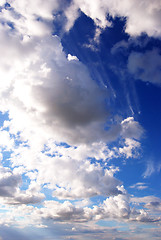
146 66
150 202
139 186
141 16
10 192
151 168
61 131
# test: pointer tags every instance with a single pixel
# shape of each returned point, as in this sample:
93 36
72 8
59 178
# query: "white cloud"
139 186
142 15
10 192
35 83
130 148
51 98
150 202
2 2
70 57
116 207
151 168
30 18
35 87
68 171
6 142
131 128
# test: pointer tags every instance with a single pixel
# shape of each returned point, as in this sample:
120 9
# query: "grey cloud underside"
113 207
8 182
10 189
58 93
70 97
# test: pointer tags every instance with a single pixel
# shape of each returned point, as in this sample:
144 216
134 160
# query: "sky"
80 132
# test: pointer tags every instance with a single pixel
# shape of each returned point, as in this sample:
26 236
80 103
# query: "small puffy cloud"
130 148
70 57
117 207
131 129
131 132
146 66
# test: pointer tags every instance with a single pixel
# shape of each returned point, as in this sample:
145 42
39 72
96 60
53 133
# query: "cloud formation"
141 16
60 119
146 66
10 192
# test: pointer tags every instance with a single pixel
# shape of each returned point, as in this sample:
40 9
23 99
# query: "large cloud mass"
43 84
59 119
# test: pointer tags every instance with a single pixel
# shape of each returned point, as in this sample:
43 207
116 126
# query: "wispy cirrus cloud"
139 186
151 168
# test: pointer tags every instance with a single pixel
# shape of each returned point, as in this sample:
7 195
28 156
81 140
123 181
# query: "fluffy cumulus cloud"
10 191
59 120
116 207
141 16
35 83
42 84
57 92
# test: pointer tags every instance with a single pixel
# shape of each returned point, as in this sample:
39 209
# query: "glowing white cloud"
141 15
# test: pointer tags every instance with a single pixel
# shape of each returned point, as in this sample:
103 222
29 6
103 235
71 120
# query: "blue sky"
80 90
